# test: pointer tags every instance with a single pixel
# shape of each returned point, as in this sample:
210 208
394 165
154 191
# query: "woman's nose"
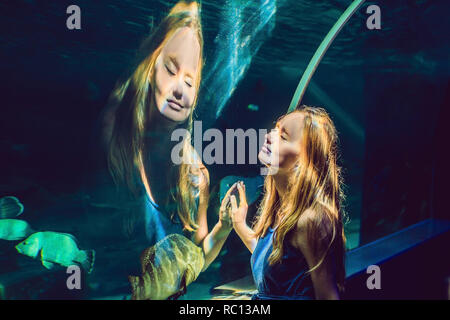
178 89
268 138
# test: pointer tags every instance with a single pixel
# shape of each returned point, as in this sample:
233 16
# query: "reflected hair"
132 99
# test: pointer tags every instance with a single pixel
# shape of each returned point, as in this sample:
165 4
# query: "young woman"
297 242
144 110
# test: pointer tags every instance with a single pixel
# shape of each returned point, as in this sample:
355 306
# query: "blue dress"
158 225
153 225
285 280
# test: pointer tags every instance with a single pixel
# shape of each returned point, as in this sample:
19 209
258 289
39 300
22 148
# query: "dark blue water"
385 89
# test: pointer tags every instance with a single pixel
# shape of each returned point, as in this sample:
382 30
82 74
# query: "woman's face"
283 144
175 75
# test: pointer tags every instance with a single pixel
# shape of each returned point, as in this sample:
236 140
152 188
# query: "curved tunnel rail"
320 52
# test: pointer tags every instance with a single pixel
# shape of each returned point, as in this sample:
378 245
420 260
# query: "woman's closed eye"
171 72
280 133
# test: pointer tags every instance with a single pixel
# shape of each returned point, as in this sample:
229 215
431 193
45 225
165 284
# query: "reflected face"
282 145
175 75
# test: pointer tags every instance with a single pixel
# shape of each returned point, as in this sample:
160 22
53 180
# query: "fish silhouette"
10 207
168 268
56 248
14 229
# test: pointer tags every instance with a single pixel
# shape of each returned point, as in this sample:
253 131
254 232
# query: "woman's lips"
174 105
266 149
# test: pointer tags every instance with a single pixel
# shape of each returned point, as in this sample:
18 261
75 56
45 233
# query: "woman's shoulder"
314 221
306 219
318 215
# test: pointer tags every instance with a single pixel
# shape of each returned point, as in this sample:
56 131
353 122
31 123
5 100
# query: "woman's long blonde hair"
132 97
316 183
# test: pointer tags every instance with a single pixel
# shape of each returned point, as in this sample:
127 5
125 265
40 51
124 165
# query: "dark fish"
10 207
168 268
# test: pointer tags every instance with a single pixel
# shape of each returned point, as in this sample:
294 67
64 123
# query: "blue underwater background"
387 91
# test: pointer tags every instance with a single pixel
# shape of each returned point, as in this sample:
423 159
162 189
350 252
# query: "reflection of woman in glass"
156 99
297 243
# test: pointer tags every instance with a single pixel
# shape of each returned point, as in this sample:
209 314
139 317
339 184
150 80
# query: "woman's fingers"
225 214
224 203
230 190
234 206
242 196
225 209
228 193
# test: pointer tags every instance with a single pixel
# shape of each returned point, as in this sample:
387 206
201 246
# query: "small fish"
56 248
252 107
10 207
253 186
168 268
14 229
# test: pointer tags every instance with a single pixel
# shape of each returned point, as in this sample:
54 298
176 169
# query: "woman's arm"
239 215
213 241
323 277
246 234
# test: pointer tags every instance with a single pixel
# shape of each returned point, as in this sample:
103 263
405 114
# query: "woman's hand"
239 214
225 210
